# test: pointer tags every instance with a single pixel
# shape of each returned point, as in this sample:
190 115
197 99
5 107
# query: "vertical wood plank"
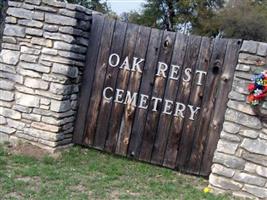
98 84
210 90
170 94
151 125
195 99
133 86
182 96
145 88
88 77
110 81
225 84
122 82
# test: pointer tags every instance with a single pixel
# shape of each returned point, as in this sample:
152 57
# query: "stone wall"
240 161
41 62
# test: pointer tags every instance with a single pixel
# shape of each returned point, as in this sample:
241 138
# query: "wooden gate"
154 95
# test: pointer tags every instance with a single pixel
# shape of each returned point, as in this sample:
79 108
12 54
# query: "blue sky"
120 6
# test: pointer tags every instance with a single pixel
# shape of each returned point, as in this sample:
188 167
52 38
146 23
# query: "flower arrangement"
257 89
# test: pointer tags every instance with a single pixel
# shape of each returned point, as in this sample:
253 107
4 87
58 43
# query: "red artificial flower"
251 87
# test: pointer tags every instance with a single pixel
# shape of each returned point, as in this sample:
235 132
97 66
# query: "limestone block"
70 47
9 39
9 57
243 119
2 120
229 161
262 49
59 36
30 23
14 30
20 13
31 116
29 50
60 89
69 71
42 42
34 31
7 68
257 191
249 179
227 147
249 133
60 106
229 137
231 127
224 183
36 83
259 159
55 78
222 171
6 129
45 101
45 135
29 58
49 51
249 46
262 171
45 126
24 89
6 112
251 59
6 95
241 106
15 124
29 73
237 96
242 67
250 167
10 46
35 67
35 2
22 109
11 20
255 146
54 3
6 84
13 77
62 20
27 100
50 28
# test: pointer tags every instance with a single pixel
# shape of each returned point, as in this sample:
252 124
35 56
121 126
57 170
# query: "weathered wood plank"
99 75
133 86
210 90
170 94
182 96
225 84
151 125
145 88
110 81
195 99
88 77
122 83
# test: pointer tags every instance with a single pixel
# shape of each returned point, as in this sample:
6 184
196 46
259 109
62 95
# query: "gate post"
42 59
240 161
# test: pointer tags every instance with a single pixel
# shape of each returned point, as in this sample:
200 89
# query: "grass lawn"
81 173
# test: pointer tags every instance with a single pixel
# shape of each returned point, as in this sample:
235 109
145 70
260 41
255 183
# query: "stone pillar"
240 161
41 63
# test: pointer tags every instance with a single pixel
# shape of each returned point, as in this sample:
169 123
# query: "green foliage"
96 5
175 15
246 20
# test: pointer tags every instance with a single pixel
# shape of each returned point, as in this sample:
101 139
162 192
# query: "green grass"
88 174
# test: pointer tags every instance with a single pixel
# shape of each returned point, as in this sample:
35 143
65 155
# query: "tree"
176 14
244 19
